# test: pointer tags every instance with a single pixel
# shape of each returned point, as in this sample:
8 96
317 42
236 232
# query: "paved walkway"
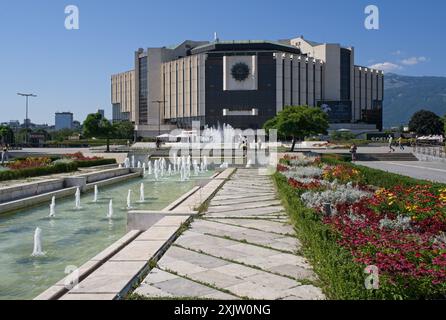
432 171
243 247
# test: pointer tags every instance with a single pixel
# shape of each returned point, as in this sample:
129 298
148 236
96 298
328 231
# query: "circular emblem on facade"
240 71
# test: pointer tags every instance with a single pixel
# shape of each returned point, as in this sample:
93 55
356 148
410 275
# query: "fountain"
169 171
133 161
95 197
37 251
110 209
150 167
129 199
196 168
127 163
141 193
205 163
78 198
144 169
53 207
224 165
249 164
139 165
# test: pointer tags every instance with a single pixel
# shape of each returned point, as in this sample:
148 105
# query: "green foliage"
62 135
6 135
426 122
342 136
39 171
94 163
99 127
298 122
124 130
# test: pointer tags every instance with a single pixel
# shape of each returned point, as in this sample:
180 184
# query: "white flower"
400 223
337 194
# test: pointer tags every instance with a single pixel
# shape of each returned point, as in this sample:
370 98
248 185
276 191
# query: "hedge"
93 163
52 169
378 177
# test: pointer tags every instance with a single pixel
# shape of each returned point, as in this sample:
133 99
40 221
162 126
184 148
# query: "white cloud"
386 66
413 61
397 53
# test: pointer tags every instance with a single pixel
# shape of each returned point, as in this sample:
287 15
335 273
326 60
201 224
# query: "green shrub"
94 163
39 171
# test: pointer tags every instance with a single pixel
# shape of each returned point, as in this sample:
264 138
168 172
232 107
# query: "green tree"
426 122
62 135
6 135
95 126
298 122
444 123
124 129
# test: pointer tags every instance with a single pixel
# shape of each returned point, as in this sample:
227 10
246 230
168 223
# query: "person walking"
391 149
400 143
353 150
5 156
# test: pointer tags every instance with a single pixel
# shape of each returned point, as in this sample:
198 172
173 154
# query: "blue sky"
70 70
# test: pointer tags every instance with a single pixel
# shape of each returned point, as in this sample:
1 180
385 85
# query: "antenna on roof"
216 37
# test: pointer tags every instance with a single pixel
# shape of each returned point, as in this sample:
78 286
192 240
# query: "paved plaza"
242 247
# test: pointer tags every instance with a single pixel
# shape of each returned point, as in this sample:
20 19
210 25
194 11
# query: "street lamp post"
159 111
26 95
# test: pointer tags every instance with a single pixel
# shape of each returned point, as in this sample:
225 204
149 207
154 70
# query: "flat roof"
245 45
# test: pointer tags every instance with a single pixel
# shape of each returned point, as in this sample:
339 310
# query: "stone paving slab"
244 206
221 196
245 212
274 241
251 255
268 226
230 201
243 245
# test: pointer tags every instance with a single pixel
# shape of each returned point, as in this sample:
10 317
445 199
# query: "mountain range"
405 95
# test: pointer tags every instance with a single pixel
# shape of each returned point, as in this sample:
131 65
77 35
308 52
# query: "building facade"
123 96
245 83
63 120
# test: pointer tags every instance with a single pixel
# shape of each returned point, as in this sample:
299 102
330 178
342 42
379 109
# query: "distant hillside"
405 95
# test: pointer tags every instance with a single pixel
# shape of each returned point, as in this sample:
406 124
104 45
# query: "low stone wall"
29 189
32 201
92 177
28 194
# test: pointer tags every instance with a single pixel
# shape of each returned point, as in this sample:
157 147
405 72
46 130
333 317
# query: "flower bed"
39 166
28 163
399 229
79 156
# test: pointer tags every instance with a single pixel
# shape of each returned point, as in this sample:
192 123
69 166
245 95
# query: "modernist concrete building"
123 96
245 83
